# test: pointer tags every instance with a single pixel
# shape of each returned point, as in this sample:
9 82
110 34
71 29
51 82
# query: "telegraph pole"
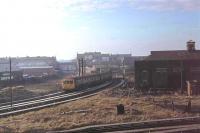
11 91
182 77
123 69
79 67
82 65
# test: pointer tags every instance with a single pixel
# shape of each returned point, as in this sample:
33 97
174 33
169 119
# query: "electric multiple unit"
85 81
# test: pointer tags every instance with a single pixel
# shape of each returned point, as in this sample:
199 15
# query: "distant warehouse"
5 75
38 71
168 69
18 69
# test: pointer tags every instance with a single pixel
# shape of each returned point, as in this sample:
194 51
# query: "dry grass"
99 109
29 90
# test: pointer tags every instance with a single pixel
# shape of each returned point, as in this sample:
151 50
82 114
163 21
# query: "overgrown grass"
99 109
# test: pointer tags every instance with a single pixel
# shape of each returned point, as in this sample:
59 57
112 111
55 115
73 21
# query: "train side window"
68 82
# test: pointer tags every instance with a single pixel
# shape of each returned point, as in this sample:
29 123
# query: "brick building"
69 67
168 69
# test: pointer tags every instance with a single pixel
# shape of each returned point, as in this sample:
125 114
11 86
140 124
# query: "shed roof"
37 67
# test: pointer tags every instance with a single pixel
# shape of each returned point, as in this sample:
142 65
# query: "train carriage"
72 83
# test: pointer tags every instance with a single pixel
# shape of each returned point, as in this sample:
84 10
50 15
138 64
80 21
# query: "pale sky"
62 28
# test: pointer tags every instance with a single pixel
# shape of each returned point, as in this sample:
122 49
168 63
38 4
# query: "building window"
176 69
161 69
145 75
195 69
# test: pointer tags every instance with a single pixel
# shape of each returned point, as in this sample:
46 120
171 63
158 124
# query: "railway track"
33 98
29 105
175 125
191 128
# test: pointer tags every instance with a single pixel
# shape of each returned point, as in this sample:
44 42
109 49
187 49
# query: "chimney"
191 46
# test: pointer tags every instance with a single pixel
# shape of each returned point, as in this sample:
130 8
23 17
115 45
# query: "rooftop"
174 55
190 54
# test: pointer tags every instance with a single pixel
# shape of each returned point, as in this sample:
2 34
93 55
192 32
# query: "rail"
51 101
33 98
134 126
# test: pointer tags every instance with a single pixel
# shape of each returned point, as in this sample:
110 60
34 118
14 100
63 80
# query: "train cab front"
68 84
